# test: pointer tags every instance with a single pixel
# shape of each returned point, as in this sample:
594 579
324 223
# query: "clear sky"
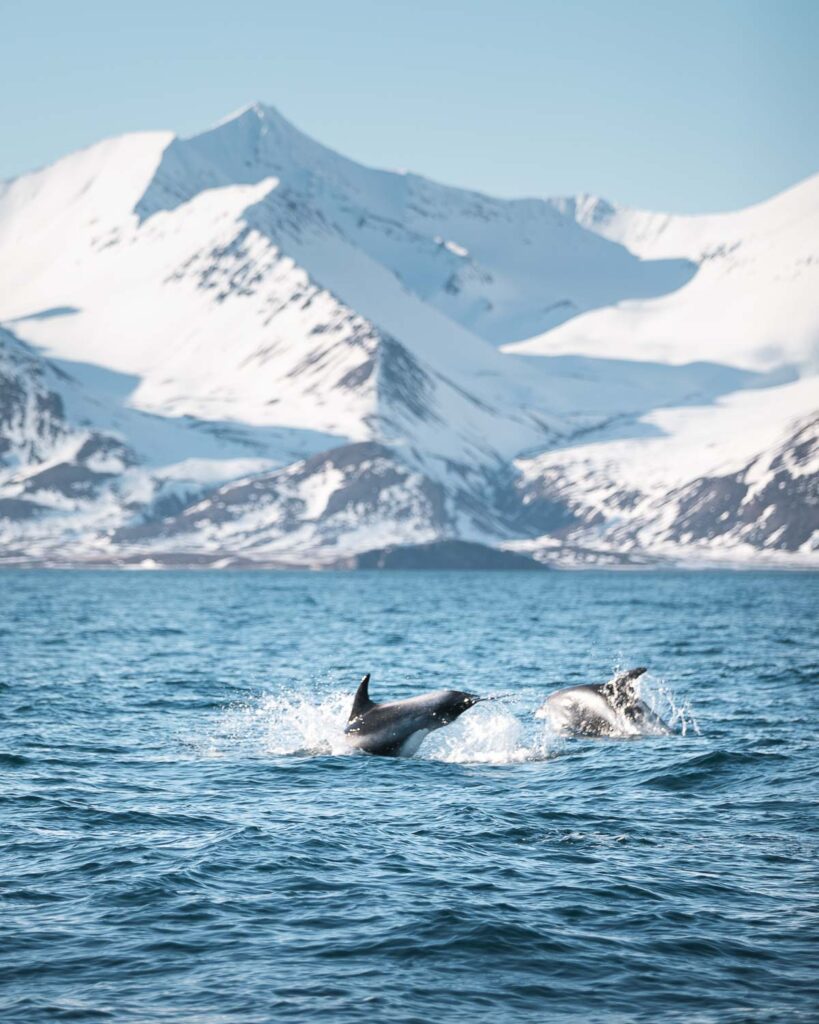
684 105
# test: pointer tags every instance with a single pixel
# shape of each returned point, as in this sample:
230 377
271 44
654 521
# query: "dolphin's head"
452 704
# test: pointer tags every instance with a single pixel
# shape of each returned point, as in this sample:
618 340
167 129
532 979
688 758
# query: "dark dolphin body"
608 709
397 728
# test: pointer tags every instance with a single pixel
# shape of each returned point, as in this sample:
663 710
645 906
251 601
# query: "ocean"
186 837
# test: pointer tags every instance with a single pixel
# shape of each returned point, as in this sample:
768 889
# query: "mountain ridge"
250 287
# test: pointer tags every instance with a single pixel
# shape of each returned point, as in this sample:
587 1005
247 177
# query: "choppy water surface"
184 836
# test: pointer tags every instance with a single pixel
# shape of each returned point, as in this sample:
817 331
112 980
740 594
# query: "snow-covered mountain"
752 301
244 347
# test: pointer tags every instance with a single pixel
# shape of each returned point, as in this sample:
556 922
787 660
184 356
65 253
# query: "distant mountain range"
245 349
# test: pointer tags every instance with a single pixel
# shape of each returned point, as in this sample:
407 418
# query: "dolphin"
397 728
607 709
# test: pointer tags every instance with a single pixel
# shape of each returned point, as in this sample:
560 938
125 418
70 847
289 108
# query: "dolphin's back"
399 726
580 711
606 709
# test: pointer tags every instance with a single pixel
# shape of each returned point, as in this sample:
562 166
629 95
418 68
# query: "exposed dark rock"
783 513
541 506
49 404
165 506
708 507
354 378
67 478
31 414
374 485
345 457
402 382
364 488
102 444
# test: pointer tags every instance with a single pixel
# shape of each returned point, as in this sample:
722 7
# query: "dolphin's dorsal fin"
361 701
628 677
620 687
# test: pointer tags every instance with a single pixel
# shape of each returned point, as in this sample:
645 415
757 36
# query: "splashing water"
489 734
281 724
660 698
293 724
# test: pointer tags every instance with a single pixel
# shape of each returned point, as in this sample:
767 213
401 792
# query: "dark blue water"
183 836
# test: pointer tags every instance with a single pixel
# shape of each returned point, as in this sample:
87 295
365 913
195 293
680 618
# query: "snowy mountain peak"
257 109
251 145
248 125
273 347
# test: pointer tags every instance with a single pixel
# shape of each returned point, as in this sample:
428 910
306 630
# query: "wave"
715 769
9 760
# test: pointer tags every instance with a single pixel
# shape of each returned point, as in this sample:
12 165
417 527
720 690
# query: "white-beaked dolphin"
397 728
608 709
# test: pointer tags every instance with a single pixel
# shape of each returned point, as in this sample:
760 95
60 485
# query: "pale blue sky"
699 105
